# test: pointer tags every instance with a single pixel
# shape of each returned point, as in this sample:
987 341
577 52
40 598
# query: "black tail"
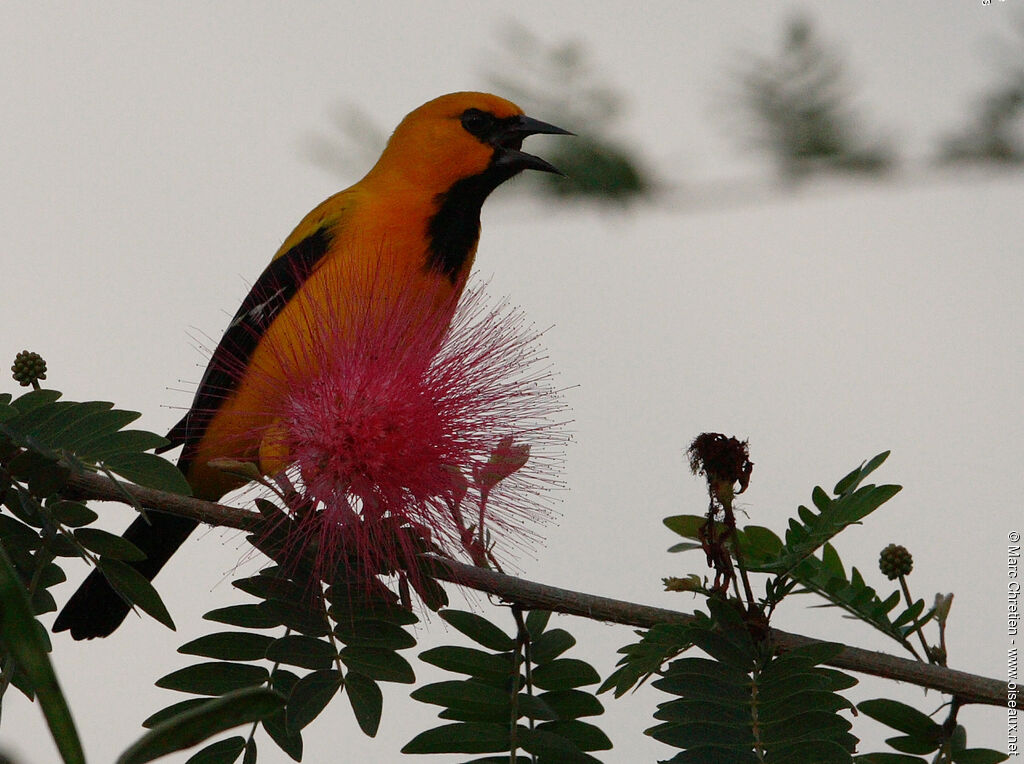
95 610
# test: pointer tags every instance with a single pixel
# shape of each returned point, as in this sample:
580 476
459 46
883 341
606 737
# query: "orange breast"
373 273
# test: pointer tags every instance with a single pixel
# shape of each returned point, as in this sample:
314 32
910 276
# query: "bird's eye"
477 122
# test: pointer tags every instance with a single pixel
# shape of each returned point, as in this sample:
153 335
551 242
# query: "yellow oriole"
418 207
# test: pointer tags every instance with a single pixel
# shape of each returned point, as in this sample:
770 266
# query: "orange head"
439 166
471 137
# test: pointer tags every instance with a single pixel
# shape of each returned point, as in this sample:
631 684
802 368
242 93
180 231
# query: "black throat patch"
453 231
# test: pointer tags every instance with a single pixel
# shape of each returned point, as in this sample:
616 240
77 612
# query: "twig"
967 688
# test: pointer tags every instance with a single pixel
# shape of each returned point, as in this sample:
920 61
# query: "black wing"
272 291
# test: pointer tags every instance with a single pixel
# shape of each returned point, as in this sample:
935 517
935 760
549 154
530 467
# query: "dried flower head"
724 461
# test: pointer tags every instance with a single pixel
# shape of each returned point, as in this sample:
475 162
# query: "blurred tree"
995 132
554 83
559 82
795 106
352 148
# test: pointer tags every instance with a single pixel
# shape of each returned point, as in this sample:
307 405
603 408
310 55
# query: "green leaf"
787 686
586 737
222 752
722 649
550 645
134 587
203 722
367 701
479 629
851 481
831 562
900 716
32 408
347 615
25 640
470 695
908 744
910 614
50 575
43 602
21 681
49 425
81 431
698 734
298 617
706 680
699 711
353 602
250 752
375 633
125 442
820 498
800 659
15 531
151 471
229 646
276 726
250 616
888 758
536 622
302 651
958 740
378 664
213 678
461 737
979 756
272 587
814 529
284 681
484 714
33 399
61 546
72 513
430 592
564 674
529 706
572 704
802 726
687 526
469 660
172 710
24 507
43 474
108 545
818 751
310 696
759 542
549 745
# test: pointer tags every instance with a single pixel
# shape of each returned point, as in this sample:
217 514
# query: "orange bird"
411 226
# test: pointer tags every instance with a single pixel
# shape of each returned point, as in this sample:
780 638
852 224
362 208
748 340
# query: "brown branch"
967 688
92 486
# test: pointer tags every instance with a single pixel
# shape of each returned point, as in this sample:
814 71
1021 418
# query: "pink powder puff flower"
409 424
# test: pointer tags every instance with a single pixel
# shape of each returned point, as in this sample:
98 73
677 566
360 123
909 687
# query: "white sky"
152 161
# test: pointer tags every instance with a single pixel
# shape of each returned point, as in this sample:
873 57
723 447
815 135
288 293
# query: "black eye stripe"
479 123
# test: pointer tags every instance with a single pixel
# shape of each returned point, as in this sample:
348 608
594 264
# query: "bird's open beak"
510 140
